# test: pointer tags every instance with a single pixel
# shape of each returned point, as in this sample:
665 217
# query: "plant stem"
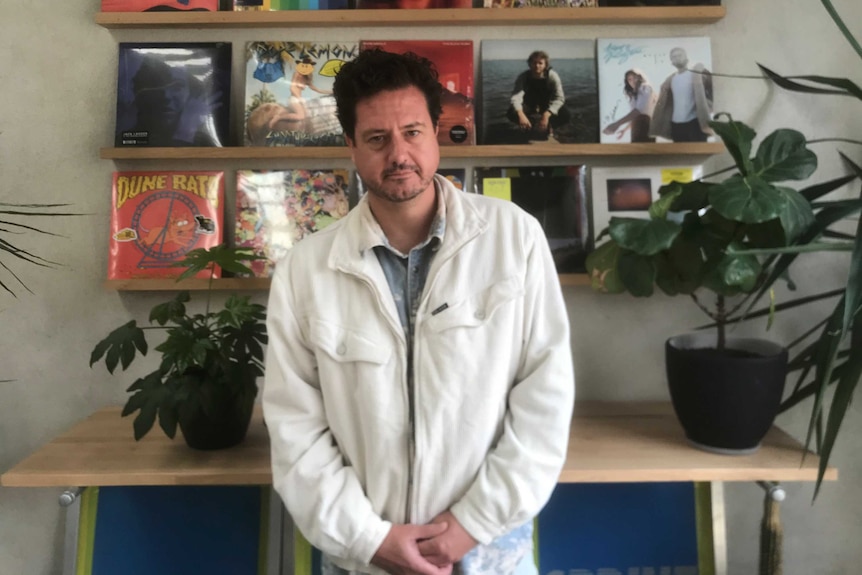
720 320
845 140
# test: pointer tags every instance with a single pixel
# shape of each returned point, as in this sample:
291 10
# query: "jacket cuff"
373 534
477 525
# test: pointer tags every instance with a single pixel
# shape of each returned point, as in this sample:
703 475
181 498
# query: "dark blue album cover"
173 94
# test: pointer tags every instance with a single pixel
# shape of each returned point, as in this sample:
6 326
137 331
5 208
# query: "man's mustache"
400 168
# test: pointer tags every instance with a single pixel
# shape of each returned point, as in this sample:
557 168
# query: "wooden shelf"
466 152
415 18
610 442
243 284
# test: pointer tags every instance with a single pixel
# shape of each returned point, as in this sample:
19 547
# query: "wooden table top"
611 442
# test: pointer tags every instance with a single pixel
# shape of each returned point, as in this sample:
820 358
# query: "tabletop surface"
610 442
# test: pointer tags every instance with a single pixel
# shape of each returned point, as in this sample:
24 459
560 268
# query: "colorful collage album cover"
539 91
158 217
312 4
173 94
539 3
276 209
554 195
628 192
414 4
159 5
655 89
288 93
453 61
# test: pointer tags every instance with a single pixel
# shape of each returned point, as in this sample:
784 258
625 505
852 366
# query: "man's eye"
375 139
413 133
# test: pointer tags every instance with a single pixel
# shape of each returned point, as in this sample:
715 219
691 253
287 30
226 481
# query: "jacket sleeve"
323 496
558 98
520 472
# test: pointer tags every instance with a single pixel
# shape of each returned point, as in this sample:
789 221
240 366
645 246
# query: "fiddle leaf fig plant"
210 361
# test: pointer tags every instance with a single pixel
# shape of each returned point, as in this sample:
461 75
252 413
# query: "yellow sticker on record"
497 188
682 175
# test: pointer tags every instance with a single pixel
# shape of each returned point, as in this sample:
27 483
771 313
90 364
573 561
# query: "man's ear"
351 145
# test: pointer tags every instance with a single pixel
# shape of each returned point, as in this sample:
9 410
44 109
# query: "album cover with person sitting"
173 94
288 93
538 91
554 195
655 89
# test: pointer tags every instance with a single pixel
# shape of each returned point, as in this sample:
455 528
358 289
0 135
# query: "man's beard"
400 194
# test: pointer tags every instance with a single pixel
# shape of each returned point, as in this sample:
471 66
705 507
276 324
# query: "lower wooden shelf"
610 442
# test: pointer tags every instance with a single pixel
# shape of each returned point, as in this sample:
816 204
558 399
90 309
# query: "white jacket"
494 382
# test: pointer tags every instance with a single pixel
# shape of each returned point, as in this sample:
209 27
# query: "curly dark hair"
375 71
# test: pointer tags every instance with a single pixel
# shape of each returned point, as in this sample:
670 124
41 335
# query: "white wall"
57 72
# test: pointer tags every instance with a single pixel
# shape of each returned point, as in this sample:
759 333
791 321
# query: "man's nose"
397 150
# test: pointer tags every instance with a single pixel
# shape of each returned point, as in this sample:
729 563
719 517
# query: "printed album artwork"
288 93
276 209
537 3
554 195
159 5
507 80
655 89
615 3
414 4
312 4
173 94
454 63
629 192
158 217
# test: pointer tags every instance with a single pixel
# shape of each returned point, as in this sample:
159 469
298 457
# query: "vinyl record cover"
313 4
158 217
655 89
565 86
628 192
615 3
173 94
276 209
159 5
453 60
288 93
414 4
539 3
554 195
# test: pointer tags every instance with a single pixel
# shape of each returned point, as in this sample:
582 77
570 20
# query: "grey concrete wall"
57 73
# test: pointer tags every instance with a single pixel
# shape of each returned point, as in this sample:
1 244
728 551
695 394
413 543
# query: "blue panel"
177 531
633 528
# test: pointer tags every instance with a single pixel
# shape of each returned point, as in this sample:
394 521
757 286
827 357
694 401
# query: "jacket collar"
351 248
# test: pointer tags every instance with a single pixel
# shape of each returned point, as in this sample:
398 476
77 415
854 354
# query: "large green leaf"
602 268
229 259
679 270
120 346
644 237
692 197
737 138
783 155
749 199
796 214
739 271
637 273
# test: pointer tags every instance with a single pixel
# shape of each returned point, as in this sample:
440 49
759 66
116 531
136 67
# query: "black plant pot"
224 428
726 402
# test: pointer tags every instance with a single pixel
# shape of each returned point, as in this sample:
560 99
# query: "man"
684 107
419 379
538 101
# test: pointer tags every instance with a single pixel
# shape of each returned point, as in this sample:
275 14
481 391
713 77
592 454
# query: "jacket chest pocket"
478 309
344 345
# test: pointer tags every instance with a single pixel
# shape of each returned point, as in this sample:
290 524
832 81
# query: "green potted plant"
206 381
724 238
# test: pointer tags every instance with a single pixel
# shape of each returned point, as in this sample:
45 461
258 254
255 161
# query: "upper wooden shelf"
437 17
248 284
610 442
466 152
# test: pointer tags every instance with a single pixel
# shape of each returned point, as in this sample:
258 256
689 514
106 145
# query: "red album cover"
159 5
454 63
158 217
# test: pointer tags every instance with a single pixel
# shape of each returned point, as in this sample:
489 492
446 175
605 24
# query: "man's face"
538 66
678 58
395 145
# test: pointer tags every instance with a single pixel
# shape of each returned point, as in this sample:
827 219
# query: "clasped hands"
430 549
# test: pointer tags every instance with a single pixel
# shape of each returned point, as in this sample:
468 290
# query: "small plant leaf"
644 237
120 346
737 138
602 268
749 199
783 156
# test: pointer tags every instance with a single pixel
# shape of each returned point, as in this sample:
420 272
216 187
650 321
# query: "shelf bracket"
70 495
774 490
